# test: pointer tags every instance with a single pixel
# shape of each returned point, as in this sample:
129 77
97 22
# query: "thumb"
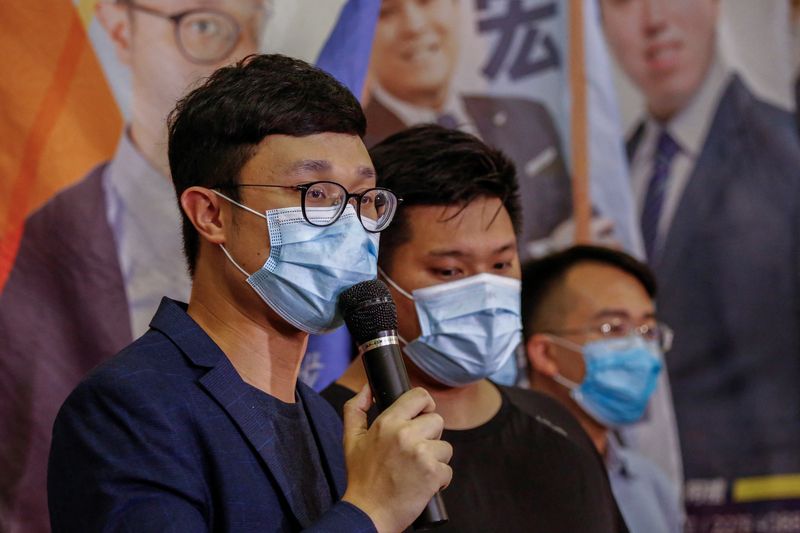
354 414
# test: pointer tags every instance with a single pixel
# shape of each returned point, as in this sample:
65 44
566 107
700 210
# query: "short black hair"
541 277
215 129
434 166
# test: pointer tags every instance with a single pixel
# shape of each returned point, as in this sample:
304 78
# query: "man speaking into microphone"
201 424
522 462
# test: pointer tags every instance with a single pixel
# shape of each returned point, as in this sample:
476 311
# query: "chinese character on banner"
536 52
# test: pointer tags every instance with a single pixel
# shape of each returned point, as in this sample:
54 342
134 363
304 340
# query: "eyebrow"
619 313
309 165
366 172
318 166
459 253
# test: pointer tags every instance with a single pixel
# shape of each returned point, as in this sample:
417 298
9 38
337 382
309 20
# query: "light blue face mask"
309 266
508 374
621 375
470 327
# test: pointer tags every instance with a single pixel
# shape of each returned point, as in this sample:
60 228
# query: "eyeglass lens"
324 202
654 332
207 36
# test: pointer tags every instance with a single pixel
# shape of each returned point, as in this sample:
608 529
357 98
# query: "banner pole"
579 124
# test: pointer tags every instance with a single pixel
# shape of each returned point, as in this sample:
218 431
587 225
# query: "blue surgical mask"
309 266
621 375
470 327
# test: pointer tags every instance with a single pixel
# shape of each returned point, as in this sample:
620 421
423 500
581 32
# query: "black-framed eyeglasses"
204 35
657 332
323 202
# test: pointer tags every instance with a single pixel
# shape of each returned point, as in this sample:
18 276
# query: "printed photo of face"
169 45
664 46
415 50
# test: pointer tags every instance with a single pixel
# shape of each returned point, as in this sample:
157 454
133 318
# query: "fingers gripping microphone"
371 316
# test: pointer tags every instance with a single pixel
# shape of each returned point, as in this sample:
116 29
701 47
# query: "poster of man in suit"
95 260
438 61
716 178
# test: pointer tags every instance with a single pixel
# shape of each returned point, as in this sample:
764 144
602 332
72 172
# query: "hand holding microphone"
397 466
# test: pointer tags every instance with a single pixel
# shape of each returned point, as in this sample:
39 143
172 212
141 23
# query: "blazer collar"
172 320
225 385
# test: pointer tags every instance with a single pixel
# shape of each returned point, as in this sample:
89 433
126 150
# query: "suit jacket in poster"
63 310
729 276
525 132
165 436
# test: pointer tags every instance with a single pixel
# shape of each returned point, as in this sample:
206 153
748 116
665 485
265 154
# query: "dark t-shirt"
531 468
300 456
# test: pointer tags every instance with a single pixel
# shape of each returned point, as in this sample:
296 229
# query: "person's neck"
597 433
265 351
461 408
152 144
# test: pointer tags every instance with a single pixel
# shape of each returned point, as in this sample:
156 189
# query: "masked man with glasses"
96 259
201 424
450 259
593 342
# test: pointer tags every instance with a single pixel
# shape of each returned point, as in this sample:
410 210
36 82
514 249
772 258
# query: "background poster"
89 225
731 68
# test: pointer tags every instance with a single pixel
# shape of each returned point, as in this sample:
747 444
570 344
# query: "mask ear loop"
396 287
227 253
230 258
569 345
234 202
567 383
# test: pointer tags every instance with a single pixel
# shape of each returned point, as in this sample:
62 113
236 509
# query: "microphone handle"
388 380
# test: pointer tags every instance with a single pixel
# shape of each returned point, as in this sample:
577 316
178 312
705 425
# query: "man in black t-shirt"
521 462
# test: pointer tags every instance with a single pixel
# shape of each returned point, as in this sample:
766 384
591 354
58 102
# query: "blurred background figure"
715 175
593 342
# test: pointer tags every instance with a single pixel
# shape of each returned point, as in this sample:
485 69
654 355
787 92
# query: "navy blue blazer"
729 285
166 437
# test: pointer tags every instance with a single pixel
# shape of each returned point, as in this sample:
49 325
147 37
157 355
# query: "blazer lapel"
225 385
633 142
716 162
327 428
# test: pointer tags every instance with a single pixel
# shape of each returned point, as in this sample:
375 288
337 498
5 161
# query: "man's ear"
539 351
203 208
115 19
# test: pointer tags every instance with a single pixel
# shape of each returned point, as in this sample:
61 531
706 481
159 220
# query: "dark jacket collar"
224 384
172 320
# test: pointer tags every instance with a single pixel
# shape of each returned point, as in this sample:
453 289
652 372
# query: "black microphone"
371 317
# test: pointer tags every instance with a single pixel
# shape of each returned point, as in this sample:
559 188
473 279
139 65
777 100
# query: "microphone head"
368 308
